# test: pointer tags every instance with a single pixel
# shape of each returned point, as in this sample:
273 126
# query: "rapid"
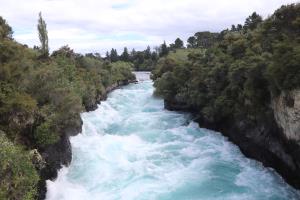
131 148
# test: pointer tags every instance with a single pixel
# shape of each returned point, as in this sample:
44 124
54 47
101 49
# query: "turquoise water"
131 148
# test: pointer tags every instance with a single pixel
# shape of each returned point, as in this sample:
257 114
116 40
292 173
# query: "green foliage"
178 44
163 50
141 60
191 42
238 71
125 55
43 36
45 135
206 39
286 54
114 55
122 71
18 175
252 21
41 101
5 29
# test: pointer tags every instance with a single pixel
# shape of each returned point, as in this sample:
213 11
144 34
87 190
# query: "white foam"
133 149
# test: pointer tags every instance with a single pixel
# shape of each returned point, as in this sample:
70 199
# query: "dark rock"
60 153
260 140
55 156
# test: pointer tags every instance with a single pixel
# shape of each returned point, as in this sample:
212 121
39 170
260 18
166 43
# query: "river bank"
133 148
263 140
60 154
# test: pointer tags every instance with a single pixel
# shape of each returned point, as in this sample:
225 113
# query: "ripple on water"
132 148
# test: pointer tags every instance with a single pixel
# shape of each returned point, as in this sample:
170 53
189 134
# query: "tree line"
41 98
234 74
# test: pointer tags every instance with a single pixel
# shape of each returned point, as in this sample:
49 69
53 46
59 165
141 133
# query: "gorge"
132 148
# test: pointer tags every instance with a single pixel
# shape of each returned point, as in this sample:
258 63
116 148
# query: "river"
131 148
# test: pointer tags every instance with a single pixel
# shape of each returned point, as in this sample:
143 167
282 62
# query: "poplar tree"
43 36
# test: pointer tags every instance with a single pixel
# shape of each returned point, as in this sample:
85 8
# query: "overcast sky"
99 25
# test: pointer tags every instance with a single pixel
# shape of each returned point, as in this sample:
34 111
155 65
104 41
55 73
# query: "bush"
18 175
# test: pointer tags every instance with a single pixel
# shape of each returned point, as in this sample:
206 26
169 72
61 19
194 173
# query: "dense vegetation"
234 73
41 96
145 60
141 60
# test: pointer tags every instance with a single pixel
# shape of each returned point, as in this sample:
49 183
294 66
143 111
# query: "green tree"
163 50
19 178
5 29
125 55
154 56
147 53
206 39
252 21
43 36
107 56
191 42
178 44
114 55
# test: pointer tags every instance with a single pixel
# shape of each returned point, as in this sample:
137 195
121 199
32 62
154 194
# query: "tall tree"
132 55
239 27
163 50
148 53
206 39
5 29
233 28
154 56
107 56
252 21
125 55
191 42
178 44
114 55
43 36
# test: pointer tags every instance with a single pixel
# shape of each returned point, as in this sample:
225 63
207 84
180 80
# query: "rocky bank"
274 141
60 153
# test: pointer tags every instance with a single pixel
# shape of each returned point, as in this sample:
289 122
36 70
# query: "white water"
131 148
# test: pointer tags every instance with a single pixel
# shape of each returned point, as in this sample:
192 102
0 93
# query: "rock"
56 156
287 114
273 141
60 153
37 159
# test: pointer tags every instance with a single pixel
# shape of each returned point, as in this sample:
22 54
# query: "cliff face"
274 141
60 153
286 109
287 114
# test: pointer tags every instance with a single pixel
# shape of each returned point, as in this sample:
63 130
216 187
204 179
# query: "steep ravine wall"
273 141
287 114
60 153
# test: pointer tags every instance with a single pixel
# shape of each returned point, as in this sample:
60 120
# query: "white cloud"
99 25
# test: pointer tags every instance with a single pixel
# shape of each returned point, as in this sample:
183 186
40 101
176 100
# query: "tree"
154 56
132 55
178 43
239 27
5 29
147 53
206 39
65 51
191 42
252 21
125 55
43 36
163 50
233 28
107 56
114 55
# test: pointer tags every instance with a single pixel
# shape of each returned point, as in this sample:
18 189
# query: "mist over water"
131 148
